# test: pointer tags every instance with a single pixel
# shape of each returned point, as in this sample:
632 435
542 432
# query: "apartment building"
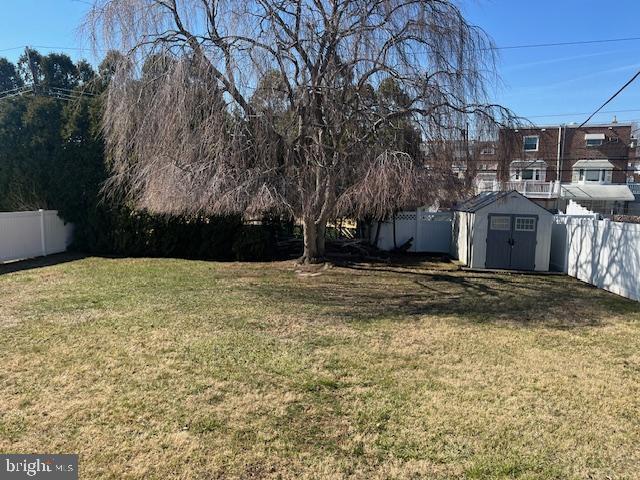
596 166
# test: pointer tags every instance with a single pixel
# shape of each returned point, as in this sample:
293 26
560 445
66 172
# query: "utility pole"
32 68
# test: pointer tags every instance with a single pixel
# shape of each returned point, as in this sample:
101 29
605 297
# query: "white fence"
600 252
32 234
430 231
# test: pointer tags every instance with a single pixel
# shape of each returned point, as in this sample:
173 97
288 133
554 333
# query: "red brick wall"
512 146
615 148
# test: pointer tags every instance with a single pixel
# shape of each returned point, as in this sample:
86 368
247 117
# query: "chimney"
615 120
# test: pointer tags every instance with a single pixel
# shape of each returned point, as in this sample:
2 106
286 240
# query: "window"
501 223
530 143
488 151
592 175
587 175
594 139
528 174
525 224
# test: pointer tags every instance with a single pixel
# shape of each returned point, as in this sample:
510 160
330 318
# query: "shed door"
523 250
499 241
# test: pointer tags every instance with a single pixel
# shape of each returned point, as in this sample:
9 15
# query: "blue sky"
566 79
535 81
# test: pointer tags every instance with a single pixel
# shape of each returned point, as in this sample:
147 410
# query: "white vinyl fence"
32 234
430 231
600 252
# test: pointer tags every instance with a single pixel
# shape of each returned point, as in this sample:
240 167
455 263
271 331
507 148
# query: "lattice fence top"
406 216
435 217
422 216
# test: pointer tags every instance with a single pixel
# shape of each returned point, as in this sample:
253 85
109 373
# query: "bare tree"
191 124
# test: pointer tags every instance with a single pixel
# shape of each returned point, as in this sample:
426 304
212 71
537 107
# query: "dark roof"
481 200
487 198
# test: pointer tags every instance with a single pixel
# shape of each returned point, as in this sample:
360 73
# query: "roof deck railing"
529 188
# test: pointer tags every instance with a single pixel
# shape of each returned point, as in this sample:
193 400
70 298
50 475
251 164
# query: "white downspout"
558 184
558 173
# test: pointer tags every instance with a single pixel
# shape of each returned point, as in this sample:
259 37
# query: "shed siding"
462 236
513 205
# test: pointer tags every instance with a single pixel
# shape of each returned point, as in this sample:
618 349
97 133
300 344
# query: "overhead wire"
620 90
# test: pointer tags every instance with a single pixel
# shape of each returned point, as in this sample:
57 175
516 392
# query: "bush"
255 243
122 231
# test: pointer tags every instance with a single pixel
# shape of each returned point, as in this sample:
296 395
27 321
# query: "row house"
595 165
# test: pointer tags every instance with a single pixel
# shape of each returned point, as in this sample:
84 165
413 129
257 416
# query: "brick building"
594 166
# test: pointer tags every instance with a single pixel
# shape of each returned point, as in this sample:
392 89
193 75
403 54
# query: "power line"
67 48
11 48
497 47
580 113
611 98
563 44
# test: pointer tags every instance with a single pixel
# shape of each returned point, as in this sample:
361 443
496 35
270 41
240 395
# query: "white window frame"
524 143
494 224
535 174
525 224
582 175
488 151
594 139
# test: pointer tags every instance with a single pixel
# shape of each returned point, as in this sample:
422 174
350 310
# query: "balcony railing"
634 187
529 188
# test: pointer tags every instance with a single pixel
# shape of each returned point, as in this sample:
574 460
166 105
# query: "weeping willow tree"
223 106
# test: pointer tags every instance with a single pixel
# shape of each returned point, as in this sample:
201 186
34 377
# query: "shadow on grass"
373 292
40 262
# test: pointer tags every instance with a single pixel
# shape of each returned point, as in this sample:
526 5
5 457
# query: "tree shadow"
374 292
39 262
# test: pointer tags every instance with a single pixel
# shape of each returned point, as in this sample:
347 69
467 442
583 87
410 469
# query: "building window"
488 151
525 224
587 175
594 139
528 174
501 223
531 143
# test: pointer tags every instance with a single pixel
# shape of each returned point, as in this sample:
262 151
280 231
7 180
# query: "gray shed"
503 230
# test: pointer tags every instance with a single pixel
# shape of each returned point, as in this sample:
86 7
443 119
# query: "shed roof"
481 200
485 199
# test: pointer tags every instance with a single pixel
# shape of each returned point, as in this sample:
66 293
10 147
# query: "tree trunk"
320 238
314 242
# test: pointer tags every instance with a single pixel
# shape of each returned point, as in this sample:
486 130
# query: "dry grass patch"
179 369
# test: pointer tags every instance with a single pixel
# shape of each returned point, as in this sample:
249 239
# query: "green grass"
152 368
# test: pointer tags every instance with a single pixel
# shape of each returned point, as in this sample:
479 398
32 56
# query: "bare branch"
311 108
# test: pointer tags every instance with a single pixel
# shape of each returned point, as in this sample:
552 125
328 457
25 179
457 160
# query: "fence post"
43 239
416 238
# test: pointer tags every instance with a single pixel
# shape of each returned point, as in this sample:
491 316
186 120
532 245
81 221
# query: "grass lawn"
158 369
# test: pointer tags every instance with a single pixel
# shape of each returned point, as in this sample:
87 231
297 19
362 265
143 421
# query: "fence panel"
430 231
32 234
434 232
600 252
